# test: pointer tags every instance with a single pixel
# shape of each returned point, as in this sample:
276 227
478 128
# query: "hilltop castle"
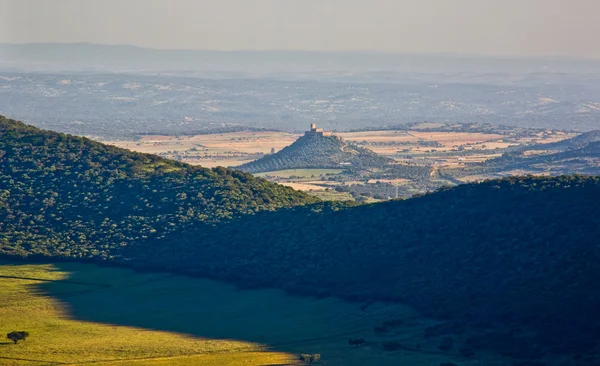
314 131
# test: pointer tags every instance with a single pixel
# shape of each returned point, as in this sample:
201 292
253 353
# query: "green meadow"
79 314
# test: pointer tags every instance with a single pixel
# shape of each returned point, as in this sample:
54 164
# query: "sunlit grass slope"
58 338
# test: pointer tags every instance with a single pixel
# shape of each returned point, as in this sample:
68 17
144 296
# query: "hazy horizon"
512 28
275 50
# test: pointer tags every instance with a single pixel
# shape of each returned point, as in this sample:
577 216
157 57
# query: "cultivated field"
83 314
301 173
236 148
227 149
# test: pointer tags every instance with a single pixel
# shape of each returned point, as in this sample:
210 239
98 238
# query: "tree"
356 342
17 336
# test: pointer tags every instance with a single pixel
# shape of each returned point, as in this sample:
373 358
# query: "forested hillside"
522 252
315 151
517 251
65 195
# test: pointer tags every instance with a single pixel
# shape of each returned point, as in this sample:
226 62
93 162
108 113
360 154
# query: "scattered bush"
17 336
393 323
356 342
446 344
466 351
392 346
381 330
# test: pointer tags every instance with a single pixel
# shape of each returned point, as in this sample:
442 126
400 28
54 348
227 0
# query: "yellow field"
300 186
227 149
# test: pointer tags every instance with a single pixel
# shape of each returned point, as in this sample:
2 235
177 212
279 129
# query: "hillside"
520 253
70 196
516 257
576 142
570 159
318 152
585 159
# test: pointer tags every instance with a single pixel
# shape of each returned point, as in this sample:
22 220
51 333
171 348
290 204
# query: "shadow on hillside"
208 309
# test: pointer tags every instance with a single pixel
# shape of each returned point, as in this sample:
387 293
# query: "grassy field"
83 314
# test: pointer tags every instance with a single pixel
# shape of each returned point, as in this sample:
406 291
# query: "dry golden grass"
303 186
235 142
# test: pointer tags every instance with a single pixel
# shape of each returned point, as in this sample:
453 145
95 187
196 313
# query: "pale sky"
488 27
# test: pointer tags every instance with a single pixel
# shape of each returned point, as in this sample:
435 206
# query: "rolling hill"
516 259
576 142
316 151
577 155
63 195
570 159
518 252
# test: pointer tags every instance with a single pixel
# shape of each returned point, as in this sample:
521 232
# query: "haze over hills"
86 57
126 105
124 91
318 149
69 198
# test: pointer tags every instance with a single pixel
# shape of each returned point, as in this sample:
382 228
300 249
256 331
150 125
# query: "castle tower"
314 131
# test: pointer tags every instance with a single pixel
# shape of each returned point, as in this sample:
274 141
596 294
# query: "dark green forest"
66 195
520 252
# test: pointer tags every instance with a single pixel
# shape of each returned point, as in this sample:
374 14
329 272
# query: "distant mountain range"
315 150
97 57
121 91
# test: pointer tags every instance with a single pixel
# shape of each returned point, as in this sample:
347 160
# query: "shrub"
392 346
17 336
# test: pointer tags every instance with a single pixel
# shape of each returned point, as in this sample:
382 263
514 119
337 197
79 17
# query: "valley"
66 198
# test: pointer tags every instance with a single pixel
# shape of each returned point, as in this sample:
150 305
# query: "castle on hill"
314 131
